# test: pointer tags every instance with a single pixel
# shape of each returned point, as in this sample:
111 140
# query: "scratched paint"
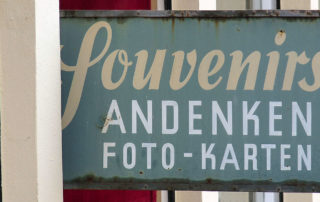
199 102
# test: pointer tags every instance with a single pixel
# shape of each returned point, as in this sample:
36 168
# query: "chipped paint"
299 14
92 181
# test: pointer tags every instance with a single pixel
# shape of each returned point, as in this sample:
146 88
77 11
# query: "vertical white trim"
269 4
259 197
264 4
271 197
256 5
207 5
316 197
48 101
210 196
164 196
160 5
314 4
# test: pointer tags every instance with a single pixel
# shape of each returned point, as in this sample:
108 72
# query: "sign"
190 100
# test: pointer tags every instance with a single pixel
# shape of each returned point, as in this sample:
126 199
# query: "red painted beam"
105 4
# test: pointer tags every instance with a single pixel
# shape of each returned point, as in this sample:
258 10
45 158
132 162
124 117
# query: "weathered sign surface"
191 100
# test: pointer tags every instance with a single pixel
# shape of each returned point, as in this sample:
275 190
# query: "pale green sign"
199 102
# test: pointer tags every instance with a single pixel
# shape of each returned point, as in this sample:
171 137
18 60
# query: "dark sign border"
191 14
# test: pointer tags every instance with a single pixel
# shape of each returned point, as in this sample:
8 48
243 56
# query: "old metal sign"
191 100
